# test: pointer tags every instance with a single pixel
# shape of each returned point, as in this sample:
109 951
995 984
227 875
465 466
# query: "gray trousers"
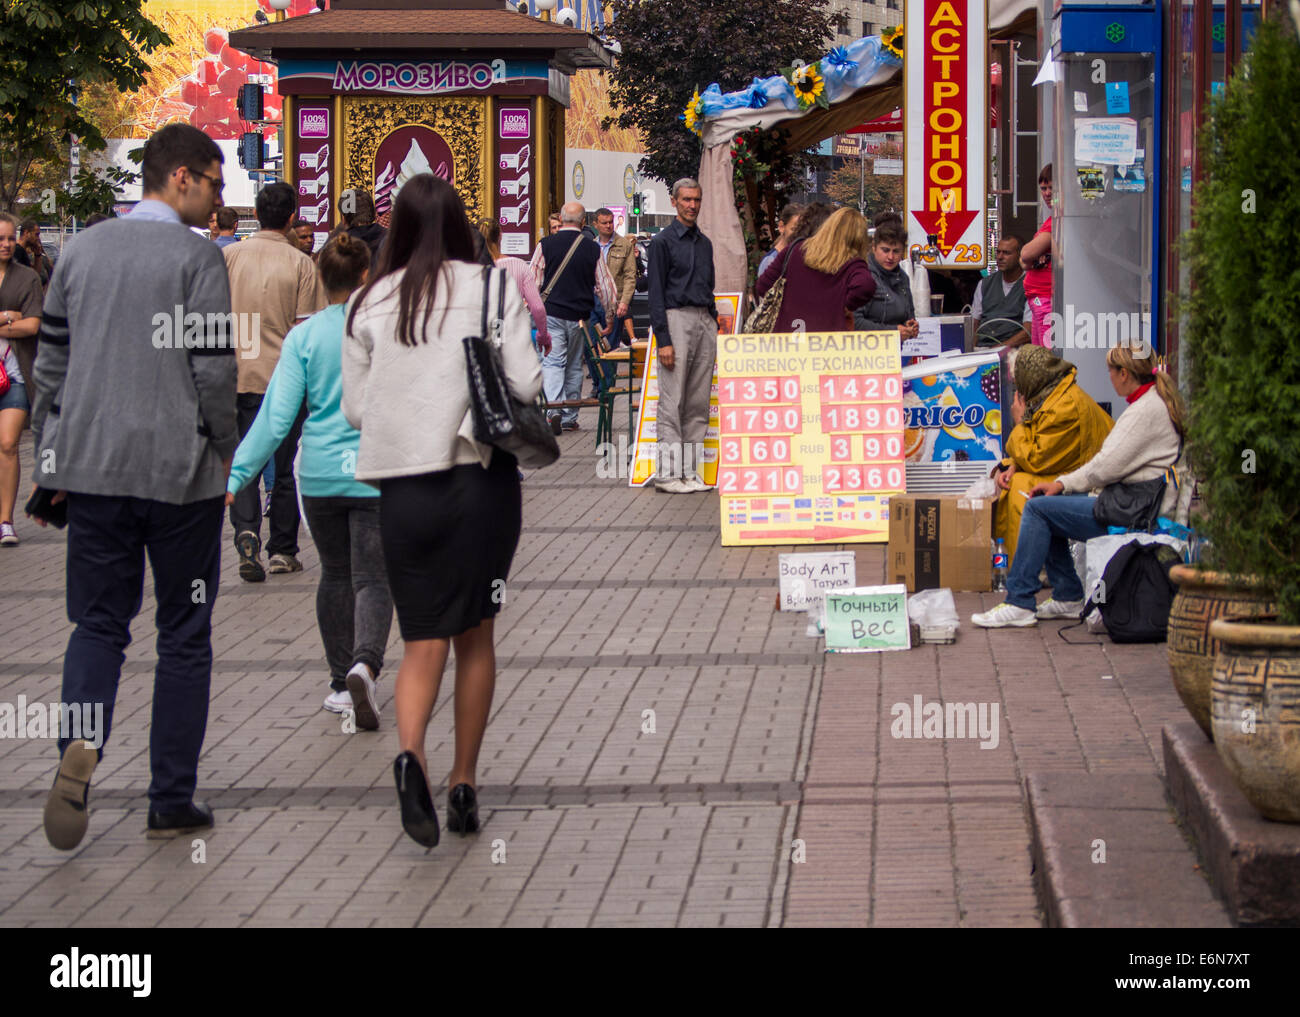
354 608
683 413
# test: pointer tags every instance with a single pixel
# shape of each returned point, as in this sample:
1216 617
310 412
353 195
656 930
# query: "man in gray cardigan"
134 420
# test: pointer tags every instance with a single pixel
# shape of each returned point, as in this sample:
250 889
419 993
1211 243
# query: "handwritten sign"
867 619
806 578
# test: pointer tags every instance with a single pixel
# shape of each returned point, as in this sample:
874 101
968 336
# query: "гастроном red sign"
945 124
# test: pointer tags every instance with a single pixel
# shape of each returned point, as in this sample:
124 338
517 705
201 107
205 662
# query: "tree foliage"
51 50
671 48
879 193
1241 338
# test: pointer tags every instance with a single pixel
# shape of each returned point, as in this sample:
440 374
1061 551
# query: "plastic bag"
935 613
985 487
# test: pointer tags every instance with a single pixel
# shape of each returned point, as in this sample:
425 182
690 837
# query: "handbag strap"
492 330
546 293
788 258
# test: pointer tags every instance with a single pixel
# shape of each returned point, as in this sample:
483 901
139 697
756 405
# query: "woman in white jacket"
1145 442
450 509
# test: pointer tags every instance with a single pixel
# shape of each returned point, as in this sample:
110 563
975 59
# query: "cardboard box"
940 541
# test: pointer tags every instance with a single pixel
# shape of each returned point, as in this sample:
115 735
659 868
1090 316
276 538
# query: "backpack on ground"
1136 593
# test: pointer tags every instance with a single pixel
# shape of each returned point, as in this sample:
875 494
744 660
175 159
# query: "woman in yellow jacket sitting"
1059 427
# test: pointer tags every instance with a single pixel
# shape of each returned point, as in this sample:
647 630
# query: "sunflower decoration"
809 86
892 40
693 113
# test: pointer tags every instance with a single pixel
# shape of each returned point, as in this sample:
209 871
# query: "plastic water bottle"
999 566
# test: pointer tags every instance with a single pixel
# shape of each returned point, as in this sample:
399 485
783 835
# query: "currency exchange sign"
811 436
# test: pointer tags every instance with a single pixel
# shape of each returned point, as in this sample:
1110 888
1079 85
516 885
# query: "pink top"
523 278
1038 281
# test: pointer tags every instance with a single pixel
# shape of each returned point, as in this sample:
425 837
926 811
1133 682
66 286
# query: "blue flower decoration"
757 98
839 57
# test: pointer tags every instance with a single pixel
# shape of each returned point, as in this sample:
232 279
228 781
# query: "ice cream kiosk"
378 91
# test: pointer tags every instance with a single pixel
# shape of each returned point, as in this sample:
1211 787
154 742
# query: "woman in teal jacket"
354 608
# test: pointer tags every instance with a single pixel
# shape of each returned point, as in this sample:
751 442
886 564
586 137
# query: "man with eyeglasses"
134 426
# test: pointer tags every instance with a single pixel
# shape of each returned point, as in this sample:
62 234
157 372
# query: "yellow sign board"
811 437
704 460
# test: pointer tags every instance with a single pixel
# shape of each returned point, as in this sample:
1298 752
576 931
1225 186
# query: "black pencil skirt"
449 538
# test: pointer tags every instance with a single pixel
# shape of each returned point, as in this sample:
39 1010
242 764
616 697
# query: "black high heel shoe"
462 810
418 818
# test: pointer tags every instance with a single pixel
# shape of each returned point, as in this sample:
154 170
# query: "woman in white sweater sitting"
1146 440
450 509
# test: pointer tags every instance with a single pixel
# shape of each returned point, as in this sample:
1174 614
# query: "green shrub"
1242 337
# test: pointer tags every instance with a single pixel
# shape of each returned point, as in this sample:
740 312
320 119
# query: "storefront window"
1181 124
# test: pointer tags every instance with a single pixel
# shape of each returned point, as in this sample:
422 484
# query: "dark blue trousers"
108 539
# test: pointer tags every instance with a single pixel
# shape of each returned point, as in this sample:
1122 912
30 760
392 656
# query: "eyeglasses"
217 183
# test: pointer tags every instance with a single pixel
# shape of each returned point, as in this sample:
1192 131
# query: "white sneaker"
1005 615
695 482
361 688
1049 609
673 487
8 538
338 702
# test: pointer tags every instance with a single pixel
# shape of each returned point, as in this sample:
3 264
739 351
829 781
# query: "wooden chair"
618 384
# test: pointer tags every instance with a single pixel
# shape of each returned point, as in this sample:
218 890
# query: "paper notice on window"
514 243
926 343
1110 140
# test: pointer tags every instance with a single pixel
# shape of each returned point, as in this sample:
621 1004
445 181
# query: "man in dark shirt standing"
685 321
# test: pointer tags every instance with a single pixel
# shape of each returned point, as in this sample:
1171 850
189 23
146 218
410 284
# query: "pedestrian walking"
29 238
619 255
523 278
570 273
360 223
152 482
303 235
450 509
227 224
787 222
826 278
354 609
21 296
275 285
684 316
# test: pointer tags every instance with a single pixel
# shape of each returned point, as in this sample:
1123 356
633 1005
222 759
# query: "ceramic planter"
1255 711
1202 597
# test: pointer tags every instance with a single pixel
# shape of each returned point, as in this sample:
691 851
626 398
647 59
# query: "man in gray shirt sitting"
134 424
1000 310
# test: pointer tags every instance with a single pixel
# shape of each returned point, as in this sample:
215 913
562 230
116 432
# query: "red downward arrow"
957 223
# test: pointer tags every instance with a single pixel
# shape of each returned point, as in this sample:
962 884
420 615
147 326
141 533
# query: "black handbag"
500 419
1133 506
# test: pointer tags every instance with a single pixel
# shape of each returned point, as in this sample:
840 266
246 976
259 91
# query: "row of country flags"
807 510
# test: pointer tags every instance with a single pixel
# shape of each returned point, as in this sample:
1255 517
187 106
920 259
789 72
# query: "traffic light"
636 203
250 102
250 150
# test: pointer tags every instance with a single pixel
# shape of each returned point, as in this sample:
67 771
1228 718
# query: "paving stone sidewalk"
665 749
